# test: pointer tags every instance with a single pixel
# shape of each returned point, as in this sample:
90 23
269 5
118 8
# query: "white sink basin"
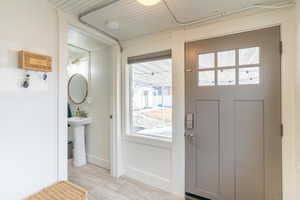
78 125
79 121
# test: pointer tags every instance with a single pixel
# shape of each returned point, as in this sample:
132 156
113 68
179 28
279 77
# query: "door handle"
189 125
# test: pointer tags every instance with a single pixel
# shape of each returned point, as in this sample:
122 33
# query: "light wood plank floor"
101 186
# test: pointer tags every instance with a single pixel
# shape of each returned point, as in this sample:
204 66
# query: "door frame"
66 21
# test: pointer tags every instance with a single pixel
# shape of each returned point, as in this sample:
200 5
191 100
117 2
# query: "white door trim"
64 23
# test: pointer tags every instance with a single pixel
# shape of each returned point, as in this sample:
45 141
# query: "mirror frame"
87 89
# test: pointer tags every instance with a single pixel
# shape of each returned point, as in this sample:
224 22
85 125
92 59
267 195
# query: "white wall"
146 160
98 133
83 68
28 133
147 163
156 156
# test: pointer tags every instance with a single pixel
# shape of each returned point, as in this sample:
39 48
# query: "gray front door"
233 98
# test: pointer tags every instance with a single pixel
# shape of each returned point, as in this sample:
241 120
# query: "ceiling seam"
284 4
96 28
102 32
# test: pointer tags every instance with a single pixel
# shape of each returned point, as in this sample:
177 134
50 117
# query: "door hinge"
280 47
281 130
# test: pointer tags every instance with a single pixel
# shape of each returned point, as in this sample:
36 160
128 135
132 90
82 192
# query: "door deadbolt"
189 121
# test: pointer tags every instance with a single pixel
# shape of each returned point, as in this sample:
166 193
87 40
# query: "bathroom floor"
101 186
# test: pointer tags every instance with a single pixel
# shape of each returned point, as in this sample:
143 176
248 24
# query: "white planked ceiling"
136 20
188 10
77 6
79 39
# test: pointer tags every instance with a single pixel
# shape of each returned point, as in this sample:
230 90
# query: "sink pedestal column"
79 153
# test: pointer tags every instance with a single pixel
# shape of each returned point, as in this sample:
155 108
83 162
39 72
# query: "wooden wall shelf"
36 62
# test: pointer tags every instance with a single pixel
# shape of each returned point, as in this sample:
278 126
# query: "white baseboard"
98 161
148 178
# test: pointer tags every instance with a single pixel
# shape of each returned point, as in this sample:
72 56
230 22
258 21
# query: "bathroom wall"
82 67
28 119
98 107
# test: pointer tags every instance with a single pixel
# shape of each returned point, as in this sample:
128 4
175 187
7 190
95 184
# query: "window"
249 56
230 67
151 97
206 60
206 78
226 77
249 75
226 58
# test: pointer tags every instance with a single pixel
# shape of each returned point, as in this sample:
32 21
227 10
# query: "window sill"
165 143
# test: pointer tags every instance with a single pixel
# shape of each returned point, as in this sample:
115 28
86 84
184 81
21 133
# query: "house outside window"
150 96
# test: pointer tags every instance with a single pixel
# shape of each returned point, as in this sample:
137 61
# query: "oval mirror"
78 89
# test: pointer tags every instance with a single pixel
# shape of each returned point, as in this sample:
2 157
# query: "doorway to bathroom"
90 108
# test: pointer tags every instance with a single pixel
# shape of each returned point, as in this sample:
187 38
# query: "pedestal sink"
79 153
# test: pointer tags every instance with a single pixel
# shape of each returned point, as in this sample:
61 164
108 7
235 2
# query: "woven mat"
61 191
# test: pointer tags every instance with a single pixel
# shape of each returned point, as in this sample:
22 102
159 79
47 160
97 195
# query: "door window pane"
206 78
249 75
226 58
226 77
206 60
249 56
151 98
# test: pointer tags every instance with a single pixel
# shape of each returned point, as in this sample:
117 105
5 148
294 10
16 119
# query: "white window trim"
148 140
127 135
